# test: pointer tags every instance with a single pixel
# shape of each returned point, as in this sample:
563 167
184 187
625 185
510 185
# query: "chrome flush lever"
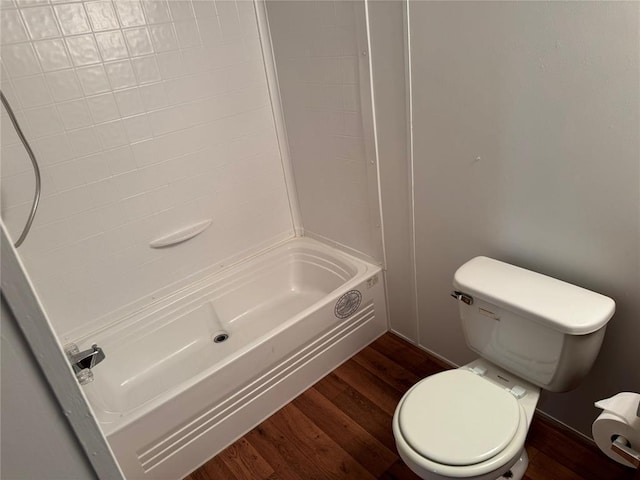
463 297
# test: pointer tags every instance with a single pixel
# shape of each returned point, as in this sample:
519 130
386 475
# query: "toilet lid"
458 418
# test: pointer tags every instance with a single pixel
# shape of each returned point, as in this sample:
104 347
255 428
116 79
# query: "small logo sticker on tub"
348 303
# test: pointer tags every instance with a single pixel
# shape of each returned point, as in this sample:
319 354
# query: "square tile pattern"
146 116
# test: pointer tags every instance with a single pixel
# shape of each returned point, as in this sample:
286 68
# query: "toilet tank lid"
546 300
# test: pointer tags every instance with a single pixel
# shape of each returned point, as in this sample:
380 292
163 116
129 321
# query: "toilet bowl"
466 423
532 332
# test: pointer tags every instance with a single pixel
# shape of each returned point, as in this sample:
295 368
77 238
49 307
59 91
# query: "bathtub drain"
220 337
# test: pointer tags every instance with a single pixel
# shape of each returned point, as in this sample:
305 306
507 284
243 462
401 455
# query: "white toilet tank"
541 329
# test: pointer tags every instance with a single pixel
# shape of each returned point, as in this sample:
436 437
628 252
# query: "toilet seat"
430 468
458 418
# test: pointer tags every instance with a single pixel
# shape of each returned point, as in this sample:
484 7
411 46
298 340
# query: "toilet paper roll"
618 419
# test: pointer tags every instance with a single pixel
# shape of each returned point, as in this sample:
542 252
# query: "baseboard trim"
570 431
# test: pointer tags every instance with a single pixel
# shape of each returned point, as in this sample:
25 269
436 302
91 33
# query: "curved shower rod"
36 170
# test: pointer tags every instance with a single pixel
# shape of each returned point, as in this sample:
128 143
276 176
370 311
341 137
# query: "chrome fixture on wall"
83 361
36 170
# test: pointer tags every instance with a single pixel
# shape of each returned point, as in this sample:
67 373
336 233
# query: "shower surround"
147 117
160 122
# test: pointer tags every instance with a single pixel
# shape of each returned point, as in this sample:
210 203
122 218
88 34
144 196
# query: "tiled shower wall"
146 116
320 50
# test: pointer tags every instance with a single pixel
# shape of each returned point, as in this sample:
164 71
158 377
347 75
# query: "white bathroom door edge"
29 313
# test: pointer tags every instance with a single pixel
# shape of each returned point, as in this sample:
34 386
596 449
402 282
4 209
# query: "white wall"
324 86
37 441
388 61
146 117
526 148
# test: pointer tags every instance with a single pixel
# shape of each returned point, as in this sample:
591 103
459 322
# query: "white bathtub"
169 398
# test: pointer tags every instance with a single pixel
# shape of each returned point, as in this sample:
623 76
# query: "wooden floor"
341 429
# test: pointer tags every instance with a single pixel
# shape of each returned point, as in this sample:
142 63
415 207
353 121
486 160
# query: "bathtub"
187 376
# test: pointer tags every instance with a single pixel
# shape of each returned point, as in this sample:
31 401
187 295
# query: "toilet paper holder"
615 431
622 447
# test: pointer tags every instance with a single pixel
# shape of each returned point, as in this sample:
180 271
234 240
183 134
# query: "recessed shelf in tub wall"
181 235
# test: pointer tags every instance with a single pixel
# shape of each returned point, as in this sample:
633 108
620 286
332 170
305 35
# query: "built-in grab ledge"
182 235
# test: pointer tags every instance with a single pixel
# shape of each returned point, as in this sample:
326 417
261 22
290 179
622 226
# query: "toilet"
532 332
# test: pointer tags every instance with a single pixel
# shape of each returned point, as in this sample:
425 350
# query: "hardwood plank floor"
340 428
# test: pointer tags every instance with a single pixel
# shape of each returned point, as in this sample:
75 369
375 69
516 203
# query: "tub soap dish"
182 235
